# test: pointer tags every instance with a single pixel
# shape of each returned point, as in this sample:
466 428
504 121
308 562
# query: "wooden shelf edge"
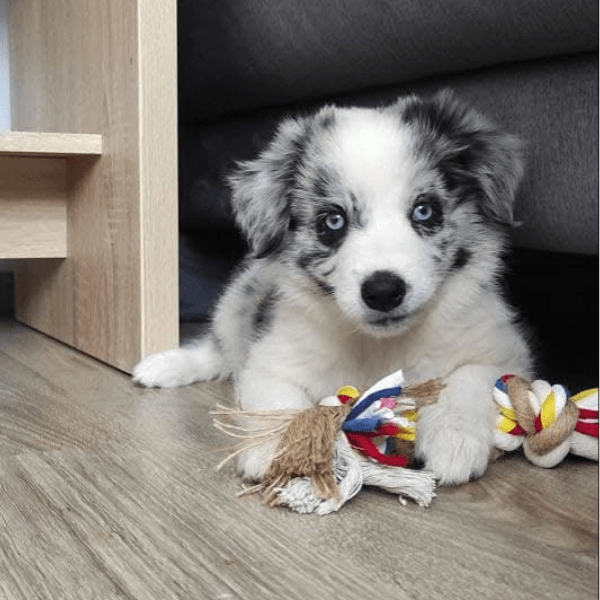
17 143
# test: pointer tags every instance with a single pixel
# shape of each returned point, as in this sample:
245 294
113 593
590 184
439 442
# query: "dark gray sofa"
530 65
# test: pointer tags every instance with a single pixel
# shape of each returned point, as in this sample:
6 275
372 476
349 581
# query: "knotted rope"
327 453
545 420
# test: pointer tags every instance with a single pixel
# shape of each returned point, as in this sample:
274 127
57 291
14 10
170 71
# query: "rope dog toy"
545 421
327 453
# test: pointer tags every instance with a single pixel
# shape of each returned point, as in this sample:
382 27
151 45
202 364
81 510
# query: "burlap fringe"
306 449
266 425
306 446
424 394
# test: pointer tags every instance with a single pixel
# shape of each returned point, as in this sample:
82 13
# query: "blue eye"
427 216
335 221
331 226
423 212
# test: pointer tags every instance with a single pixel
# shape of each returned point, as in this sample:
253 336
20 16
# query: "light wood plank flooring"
109 491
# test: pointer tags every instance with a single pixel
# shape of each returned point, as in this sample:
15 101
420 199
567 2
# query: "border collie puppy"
376 238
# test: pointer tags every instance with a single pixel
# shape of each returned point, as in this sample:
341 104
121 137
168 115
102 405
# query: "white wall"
5 265
4 70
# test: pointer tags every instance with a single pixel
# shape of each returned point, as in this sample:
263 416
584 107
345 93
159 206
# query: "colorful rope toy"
378 420
545 421
327 453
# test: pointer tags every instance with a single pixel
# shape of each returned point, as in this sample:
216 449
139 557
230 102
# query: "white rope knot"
352 471
545 420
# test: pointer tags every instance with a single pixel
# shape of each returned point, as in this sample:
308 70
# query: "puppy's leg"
455 435
174 368
263 391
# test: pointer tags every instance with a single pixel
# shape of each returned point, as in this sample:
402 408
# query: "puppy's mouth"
387 321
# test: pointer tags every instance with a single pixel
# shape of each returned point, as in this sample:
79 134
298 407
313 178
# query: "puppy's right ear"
261 188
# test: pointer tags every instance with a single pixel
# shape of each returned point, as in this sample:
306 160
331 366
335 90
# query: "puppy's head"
377 208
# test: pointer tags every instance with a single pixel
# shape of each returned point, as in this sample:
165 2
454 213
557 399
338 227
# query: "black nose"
383 291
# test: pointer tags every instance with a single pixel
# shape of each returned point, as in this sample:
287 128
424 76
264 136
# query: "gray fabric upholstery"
242 54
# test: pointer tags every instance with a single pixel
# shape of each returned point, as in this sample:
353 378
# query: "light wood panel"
109 492
158 175
104 67
33 144
33 207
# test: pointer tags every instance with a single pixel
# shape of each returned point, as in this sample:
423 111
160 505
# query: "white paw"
454 450
173 368
252 464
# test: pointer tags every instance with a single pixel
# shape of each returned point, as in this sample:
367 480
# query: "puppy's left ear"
477 161
261 188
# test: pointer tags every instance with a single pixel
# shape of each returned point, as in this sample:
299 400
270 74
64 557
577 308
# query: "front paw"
253 463
173 368
455 450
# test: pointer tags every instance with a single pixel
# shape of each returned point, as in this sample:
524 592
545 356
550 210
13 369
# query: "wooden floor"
109 491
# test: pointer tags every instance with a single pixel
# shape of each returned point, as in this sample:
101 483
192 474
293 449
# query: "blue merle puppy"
376 238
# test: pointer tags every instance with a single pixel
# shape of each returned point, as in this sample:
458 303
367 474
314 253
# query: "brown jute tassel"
307 450
424 393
